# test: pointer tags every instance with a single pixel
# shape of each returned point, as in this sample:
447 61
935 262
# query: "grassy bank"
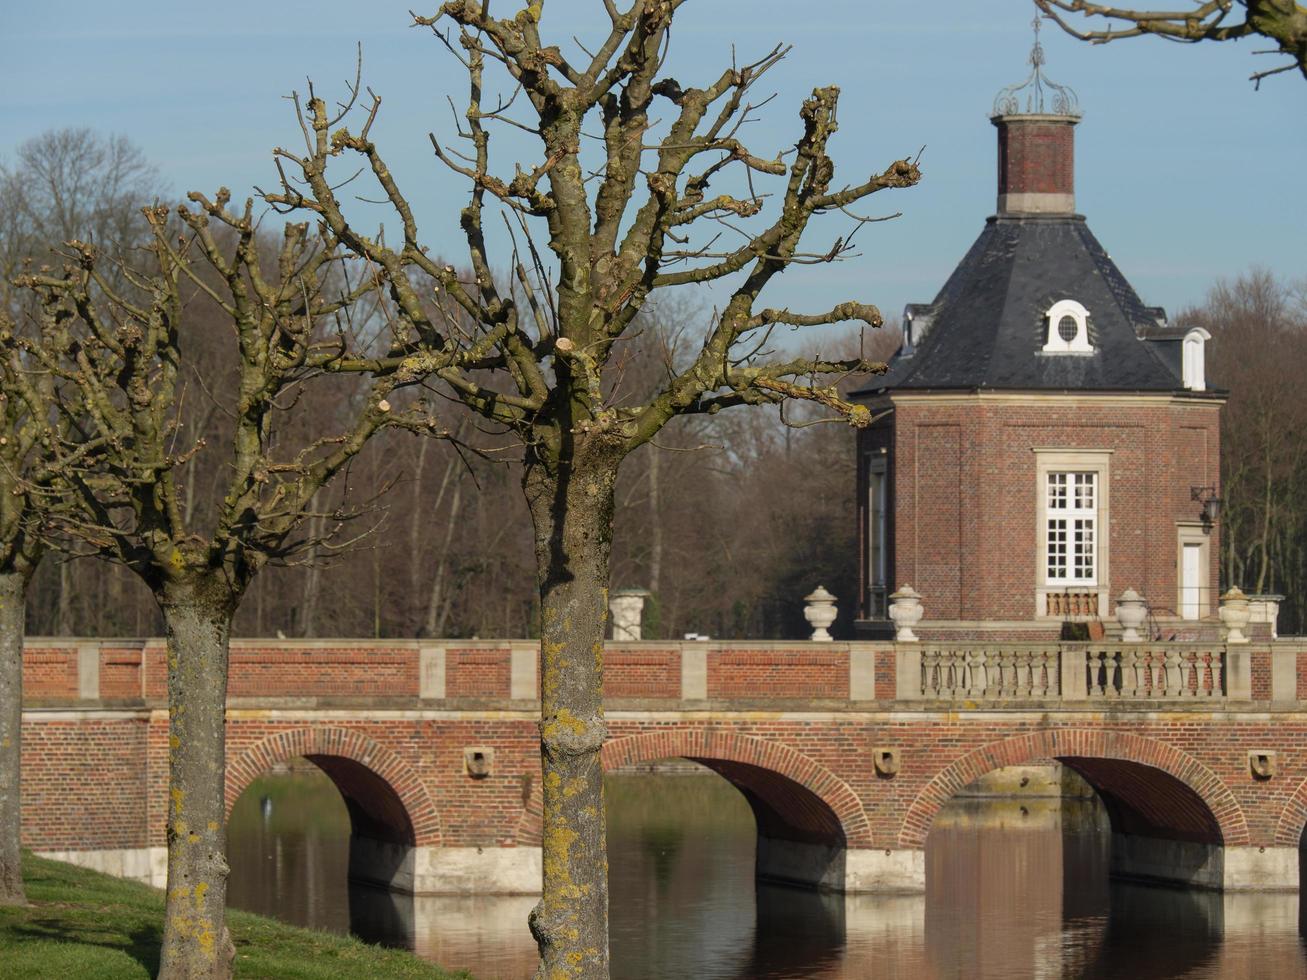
84 924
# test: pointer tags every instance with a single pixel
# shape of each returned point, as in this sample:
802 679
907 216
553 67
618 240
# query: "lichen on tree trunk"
12 591
196 943
572 515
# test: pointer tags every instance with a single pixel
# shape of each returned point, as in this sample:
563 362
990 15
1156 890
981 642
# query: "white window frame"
1096 584
1193 373
1079 344
877 535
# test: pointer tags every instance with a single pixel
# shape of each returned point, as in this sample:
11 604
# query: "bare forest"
729 524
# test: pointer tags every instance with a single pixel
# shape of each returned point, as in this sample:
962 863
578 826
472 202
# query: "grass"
84 924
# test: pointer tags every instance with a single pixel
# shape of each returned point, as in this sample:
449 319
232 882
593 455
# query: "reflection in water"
1014 889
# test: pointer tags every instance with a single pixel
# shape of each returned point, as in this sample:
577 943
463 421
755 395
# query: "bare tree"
72 183
21 549
115 355
619 195
1283 22
63 184
1259 353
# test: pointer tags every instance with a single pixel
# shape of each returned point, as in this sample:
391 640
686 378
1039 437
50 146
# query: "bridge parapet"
833 676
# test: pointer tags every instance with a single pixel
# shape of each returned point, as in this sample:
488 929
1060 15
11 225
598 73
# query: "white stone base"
446 870
1234 869
145 864
839 869
892 872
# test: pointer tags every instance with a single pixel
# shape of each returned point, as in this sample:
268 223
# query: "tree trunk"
572 515
196 943
12 597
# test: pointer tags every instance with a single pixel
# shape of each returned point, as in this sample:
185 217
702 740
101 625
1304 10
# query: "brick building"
1043 440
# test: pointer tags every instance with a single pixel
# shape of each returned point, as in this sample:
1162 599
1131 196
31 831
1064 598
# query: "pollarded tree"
619 192
1282 22
107 361
62 184
23 470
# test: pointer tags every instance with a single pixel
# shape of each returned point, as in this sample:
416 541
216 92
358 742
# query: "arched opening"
704 858
322 841
1050 867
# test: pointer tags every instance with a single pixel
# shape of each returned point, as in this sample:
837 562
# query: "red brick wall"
1261 674
1035 157
778 674
363 670
120 673
100 782
642 674
477 673
50 674
84 784
965 495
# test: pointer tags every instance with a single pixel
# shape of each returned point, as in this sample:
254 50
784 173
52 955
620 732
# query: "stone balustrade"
1073 672
833 675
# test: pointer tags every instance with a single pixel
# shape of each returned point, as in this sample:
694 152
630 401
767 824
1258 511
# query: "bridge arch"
385 797
1293 818
792 797
1149 787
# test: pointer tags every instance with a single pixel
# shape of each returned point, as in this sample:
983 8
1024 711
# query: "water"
1013 890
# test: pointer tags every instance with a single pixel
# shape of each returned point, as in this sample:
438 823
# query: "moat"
1015 888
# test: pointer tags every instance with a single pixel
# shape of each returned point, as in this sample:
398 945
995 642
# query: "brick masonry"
1036 156
964 473
95 773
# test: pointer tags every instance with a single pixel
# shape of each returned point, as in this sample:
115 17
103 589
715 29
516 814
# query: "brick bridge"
845 751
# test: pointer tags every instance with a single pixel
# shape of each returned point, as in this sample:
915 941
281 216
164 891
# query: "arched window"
1193 373
1068 329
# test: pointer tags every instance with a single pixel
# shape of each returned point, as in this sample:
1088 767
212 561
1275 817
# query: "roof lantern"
1036 147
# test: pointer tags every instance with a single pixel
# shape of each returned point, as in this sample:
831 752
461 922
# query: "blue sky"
1185 172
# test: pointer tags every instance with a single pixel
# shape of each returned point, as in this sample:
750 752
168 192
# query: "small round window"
1067 328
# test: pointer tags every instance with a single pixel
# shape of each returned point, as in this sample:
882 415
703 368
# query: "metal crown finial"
1027 97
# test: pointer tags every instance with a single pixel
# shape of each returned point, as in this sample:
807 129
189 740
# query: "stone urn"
820 612
1235 614
905 610
627 609
1131 611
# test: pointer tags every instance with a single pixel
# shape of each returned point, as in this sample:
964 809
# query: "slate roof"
988 325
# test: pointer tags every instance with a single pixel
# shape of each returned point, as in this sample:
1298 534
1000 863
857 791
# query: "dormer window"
1068 329
1193 373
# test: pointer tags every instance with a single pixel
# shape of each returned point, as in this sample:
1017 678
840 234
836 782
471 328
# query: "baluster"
1023 673
1092 659
1207 675
1129 672
929 663
950 672
975 677
1173 672
1045 673
1189 674
1006 680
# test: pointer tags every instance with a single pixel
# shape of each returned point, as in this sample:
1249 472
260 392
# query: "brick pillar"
1036 164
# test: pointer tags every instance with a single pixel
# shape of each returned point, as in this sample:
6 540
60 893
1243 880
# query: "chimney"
1036 163
1036 144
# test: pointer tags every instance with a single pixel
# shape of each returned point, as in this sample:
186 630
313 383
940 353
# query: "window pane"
1085 487
1057 491
1057 548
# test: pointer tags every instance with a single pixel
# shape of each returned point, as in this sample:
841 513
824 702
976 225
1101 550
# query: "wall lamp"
1210 501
